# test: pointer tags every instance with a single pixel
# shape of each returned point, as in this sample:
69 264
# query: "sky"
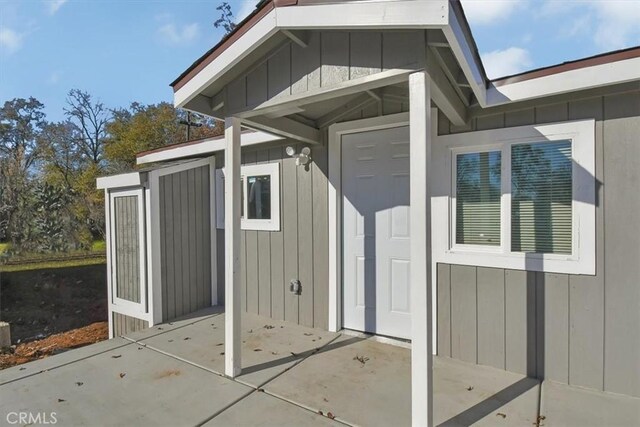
124 51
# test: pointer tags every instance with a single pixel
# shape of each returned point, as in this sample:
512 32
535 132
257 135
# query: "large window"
260 197
521 198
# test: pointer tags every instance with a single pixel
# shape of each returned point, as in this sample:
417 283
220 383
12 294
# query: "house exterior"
486 221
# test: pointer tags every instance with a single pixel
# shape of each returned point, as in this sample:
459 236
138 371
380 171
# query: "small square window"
259 197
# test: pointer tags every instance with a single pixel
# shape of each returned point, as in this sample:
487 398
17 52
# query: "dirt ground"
42 302
58 343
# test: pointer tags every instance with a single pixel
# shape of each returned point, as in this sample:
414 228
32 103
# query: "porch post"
232 337
420 196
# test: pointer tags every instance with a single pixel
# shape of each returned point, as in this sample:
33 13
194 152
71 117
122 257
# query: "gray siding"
185 246
127 248
330 58
300 250
581 330
123 324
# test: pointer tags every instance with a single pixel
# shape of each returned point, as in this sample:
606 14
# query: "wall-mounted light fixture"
303 158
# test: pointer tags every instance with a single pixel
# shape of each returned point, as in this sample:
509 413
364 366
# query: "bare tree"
91 117
226 17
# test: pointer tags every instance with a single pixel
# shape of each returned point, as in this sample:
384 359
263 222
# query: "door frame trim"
334 183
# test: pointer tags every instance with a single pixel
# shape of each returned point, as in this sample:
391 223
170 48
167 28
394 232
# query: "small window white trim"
271 169
583 257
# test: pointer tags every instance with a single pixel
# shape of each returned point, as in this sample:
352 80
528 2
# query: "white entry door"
375 188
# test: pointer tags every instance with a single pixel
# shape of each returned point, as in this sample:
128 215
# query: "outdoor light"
301 159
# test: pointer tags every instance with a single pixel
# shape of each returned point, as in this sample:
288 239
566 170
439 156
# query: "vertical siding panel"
305 244
184 284
200 236
163 244
622 246
251 243
279 72
401 49
290 229
169 256
237 93
519 118
491 317
554 325
206 242
443 124
494 121
193 283
552 113
305 65
463 313
444 309
586 293
264 258
365 54
520 322
177 242
320 239
278 283
257 90
335 58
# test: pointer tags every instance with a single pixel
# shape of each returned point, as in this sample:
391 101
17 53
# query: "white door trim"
336 132
335 210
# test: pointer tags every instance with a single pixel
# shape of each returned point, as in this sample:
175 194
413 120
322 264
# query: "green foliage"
145 127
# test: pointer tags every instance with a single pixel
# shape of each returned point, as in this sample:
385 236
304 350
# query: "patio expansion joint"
260 387
161 332
63 364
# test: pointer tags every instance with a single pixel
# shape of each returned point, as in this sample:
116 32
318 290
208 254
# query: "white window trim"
271 169
583 257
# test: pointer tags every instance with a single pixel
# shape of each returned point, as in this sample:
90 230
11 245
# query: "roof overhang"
130 179
273 18
201 147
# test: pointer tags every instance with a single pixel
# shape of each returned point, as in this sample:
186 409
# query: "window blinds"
541 194
478 198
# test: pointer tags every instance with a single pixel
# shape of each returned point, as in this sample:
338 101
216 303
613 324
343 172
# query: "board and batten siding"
185 230
576 329
124 325
127 247
300 250
330 58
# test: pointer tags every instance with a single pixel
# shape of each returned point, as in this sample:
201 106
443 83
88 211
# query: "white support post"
420 196
233 339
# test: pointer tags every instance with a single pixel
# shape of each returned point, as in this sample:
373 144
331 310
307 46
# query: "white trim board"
385 14
583 258
131 179
206 146
569 81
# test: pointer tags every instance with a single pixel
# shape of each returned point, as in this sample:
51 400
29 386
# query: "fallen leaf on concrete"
61 400
361 359
500 414
330 415
22 368
169 340
269 326
116 356
222 354
306 334
122 374
219 344
470 388
320 412
274 352
257 349
79 383
186 338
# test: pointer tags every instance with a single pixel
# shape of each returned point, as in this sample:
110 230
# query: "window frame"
447 147
270 169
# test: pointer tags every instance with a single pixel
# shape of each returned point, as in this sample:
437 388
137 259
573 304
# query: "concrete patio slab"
269 347
130 385
52 362
336 380
564 405
260 409
179 323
